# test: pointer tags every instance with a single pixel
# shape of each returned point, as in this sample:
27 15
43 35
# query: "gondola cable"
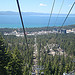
51 14
59 12
24 31
67 15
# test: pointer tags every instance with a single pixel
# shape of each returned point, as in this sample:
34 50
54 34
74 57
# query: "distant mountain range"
31 13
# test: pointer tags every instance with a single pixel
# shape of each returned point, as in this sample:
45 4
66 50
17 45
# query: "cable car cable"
67 15
59 12
51 14
24 31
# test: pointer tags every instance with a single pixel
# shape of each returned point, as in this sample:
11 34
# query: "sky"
40 6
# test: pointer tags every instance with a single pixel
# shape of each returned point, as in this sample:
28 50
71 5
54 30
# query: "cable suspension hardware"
59 12
67 15
51 14
22 24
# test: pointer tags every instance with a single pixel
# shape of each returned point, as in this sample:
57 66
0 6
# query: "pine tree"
4 58
14 67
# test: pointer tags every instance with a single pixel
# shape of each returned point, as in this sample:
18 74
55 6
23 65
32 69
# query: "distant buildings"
55 30
18 34
71 31
63 31
59 31
54 49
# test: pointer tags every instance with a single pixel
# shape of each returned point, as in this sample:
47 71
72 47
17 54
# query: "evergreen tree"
4 58
14 67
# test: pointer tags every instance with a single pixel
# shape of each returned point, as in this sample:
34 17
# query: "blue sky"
41 6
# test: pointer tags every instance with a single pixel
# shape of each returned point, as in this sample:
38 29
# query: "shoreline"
36 27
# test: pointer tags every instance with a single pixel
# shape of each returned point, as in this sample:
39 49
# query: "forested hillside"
57 64
16 59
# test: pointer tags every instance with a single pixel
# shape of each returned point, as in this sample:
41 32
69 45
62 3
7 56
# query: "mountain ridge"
30 13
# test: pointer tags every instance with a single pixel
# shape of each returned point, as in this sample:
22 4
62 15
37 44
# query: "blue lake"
13 21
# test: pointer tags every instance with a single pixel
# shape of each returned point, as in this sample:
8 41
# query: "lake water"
13 21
